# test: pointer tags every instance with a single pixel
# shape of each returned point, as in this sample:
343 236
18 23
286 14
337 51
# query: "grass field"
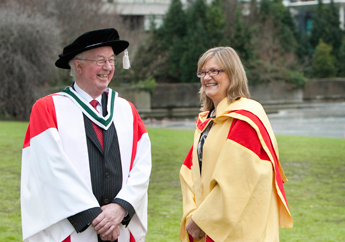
315 192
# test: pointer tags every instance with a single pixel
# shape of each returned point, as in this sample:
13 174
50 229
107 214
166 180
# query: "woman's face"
215 87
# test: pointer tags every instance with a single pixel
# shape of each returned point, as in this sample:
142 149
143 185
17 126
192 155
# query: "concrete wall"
182 99
187 95
276 93
177 100
324 89
140 99
166 100
177 95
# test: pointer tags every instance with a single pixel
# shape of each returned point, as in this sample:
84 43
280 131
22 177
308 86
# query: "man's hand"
194 230
106 224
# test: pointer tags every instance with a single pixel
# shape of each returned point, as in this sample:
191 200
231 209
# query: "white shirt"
84 95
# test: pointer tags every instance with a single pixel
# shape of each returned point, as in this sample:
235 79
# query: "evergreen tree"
241 39
304 54
341 60
304 48
254 12
229 7
195 41
284 26
323 64
319 26
326 26
196 14
160 54
176 51
172 34
265 9
288 29
150 59
215 24
174 23
335 35
205 30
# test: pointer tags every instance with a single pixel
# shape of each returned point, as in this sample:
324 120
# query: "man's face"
91 77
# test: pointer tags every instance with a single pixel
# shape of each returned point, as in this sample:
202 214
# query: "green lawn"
315 192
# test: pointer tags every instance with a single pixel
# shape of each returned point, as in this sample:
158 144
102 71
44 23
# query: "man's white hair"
70 63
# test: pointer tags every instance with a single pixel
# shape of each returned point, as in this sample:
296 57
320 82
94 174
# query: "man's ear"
77 66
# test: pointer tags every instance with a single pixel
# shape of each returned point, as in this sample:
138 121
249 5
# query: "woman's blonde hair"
230 62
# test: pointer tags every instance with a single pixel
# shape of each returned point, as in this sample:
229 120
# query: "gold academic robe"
239 194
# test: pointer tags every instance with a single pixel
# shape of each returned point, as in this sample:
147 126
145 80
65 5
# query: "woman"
231 179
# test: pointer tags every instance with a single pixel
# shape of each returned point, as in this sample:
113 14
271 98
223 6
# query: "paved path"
311 119
320 119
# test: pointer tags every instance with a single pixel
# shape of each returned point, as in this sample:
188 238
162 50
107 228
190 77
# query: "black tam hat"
91 40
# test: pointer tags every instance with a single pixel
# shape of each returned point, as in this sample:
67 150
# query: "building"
303 11
139 13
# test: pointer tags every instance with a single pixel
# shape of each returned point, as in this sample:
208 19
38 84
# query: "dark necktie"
98 130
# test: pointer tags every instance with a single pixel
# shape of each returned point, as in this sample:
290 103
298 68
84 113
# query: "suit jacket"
106 173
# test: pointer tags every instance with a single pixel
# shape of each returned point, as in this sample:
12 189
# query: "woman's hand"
194 230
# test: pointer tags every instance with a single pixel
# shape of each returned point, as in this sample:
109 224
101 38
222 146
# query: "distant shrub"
296 78
28 47
260 72
323 63
147 85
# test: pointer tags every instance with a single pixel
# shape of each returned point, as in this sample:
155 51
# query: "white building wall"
146 8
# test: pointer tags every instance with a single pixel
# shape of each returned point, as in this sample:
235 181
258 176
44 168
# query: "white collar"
84 95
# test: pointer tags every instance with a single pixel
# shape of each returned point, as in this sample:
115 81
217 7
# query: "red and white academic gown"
55 182
239 195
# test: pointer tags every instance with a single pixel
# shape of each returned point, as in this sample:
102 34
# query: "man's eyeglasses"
212 72
102 61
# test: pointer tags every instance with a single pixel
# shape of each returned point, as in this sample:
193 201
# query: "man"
87 156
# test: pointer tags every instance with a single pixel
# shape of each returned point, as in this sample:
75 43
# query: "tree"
241 39
326 26
283 24
40 29
204 31
265 9
319 27
183 37
172 33
196 44
151 58
196 14
215 24
341 60
274 39
79 16
229 8
254 13
174 23
323 64
29 44
159 55
304 54
335 33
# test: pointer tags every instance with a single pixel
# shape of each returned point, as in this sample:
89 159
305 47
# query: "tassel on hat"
125 60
